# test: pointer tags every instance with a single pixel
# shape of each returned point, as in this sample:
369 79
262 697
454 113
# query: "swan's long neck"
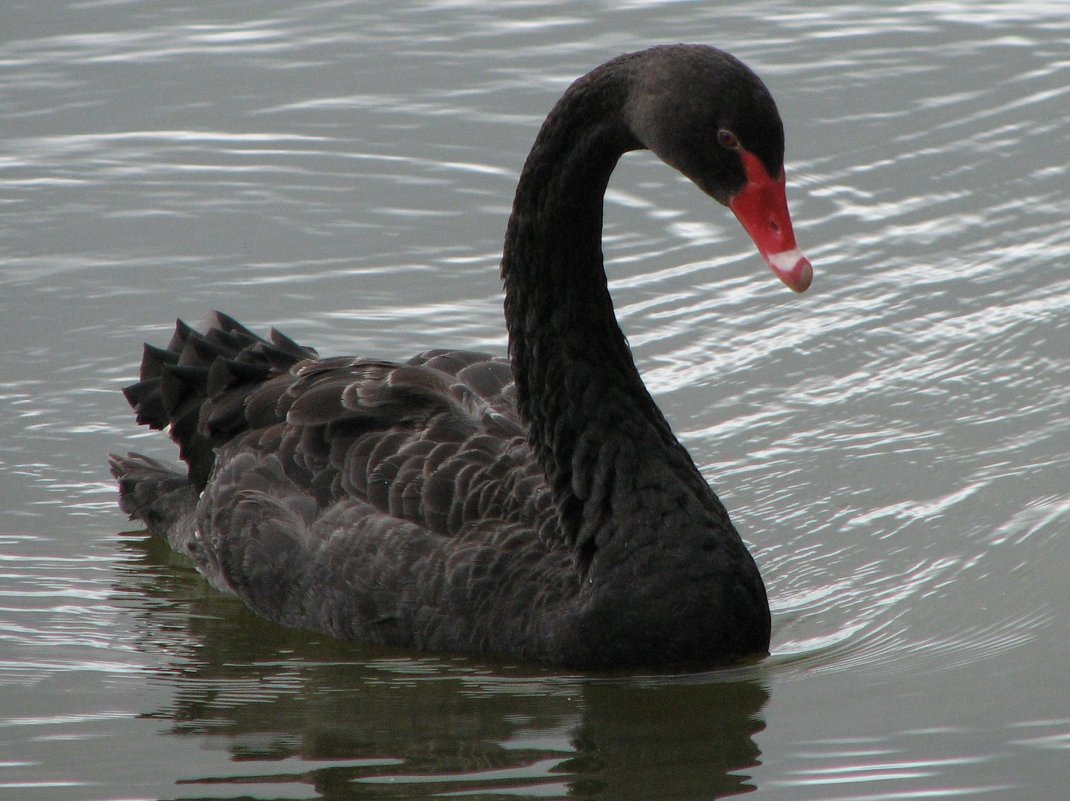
610 457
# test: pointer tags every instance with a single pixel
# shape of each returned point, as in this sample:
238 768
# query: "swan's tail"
206 374
162 498
157 494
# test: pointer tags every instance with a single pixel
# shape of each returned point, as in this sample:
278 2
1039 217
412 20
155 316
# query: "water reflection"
296 712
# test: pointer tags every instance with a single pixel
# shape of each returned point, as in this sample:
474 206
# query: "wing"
435 442
397 503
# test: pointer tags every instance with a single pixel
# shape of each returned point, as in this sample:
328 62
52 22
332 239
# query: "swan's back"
434 441
308 474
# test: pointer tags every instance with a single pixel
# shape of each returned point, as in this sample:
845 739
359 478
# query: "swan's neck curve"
610 457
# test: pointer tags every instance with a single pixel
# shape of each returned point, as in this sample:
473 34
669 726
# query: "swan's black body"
539 509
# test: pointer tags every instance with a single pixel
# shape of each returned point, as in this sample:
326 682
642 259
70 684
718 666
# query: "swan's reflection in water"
301 716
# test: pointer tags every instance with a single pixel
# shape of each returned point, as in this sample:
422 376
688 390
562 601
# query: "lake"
893 445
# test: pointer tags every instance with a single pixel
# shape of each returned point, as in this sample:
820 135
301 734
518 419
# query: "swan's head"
709 116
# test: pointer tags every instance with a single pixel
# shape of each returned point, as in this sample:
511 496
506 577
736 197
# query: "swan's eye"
727 139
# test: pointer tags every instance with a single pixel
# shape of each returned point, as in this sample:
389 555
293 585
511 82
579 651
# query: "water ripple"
891 444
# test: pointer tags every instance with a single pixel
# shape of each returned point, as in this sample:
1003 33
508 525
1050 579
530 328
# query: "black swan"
536 508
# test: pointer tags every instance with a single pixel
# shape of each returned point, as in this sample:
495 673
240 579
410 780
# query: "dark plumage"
539 507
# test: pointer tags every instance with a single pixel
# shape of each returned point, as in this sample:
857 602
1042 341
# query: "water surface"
893 445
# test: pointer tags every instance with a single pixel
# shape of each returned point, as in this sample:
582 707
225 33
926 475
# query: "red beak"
761 206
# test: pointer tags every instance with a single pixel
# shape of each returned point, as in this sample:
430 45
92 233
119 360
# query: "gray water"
893 444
